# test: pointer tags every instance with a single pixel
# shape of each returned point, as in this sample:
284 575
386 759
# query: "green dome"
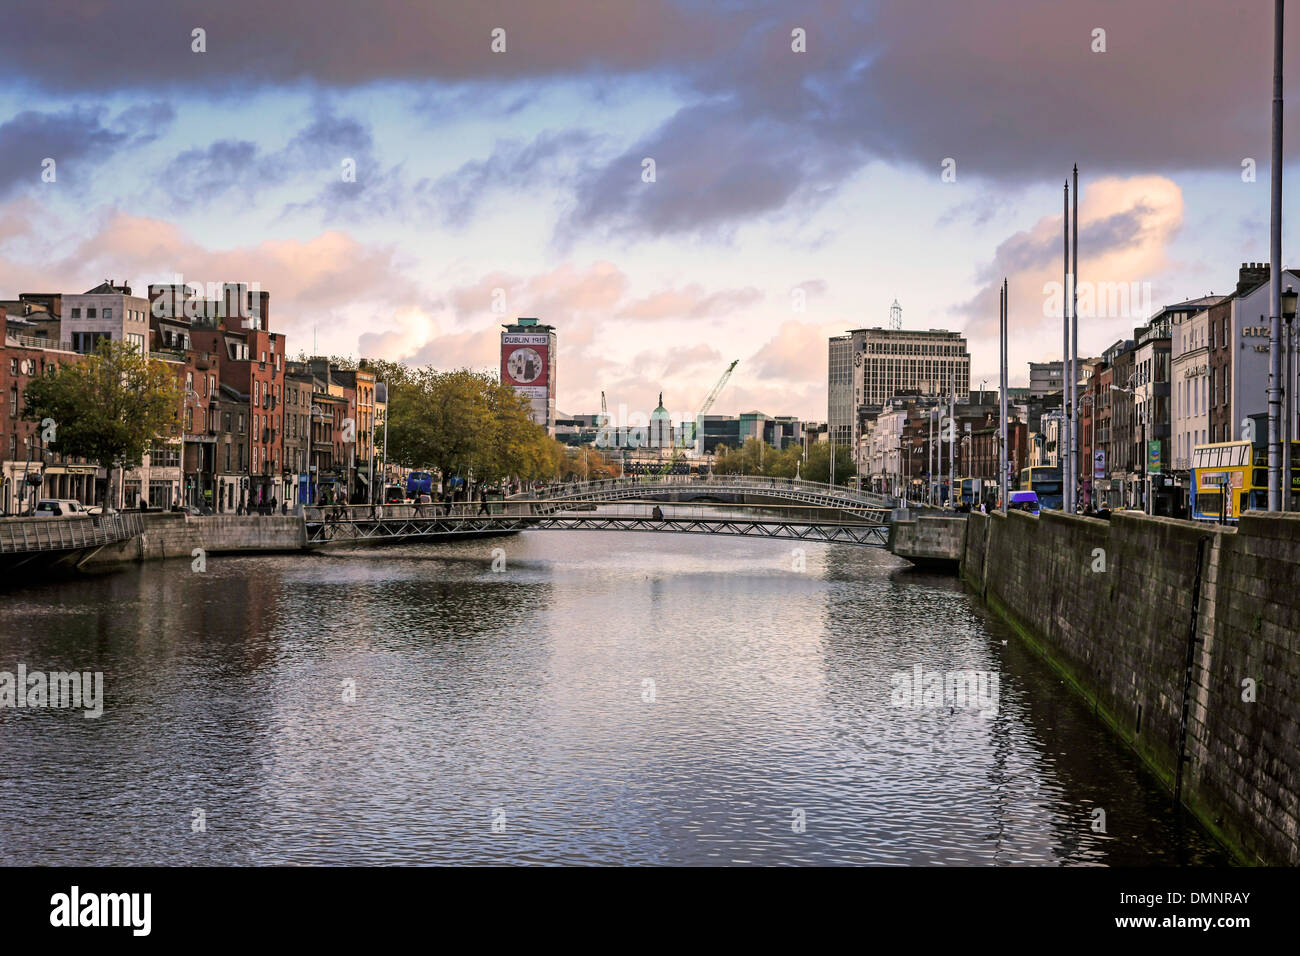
659 413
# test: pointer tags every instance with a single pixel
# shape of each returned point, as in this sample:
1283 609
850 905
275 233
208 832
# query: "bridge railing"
691 482
19 535
522 509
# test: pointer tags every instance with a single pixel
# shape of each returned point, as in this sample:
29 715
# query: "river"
603 697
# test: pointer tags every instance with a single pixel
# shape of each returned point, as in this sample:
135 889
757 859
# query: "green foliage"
461 420
818 465
109 408
759 458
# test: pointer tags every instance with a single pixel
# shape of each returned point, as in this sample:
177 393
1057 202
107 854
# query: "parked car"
58 508
424 500
394 495
1025 501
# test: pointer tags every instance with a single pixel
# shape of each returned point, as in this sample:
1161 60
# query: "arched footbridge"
764 508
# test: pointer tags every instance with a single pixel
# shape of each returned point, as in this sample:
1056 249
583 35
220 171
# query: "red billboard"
525 364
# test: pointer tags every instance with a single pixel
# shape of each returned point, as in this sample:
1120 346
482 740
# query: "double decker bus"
1230 477
1044 481
971 491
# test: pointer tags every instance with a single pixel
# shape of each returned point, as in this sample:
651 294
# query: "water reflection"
608 697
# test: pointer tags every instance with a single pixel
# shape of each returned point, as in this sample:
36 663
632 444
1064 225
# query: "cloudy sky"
796 194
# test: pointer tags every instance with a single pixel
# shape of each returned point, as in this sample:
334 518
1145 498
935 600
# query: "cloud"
690 302
76 138
328 282
714 166
512 164
660 362
59 44
1126 227
797 353
1011 90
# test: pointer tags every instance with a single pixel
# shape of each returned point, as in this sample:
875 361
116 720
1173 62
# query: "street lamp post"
1288 299
314 412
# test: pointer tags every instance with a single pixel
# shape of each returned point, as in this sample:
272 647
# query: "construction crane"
604 409
699 417
708 403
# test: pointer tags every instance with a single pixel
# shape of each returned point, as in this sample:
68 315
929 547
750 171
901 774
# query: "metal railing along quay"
29 535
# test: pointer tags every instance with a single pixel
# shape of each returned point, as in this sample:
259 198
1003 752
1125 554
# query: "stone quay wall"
1121 607
173 535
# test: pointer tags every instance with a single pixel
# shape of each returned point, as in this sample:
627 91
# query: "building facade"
868 367
528 358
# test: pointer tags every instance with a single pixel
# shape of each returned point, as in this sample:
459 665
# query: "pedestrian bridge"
37 545
845 522
724 488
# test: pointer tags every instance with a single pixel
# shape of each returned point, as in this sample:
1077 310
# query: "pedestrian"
482 500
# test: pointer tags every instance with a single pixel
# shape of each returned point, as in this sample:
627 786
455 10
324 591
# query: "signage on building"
525 364
1099 463
1153 456
528 368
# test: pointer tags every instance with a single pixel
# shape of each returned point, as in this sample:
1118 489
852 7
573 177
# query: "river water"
605 697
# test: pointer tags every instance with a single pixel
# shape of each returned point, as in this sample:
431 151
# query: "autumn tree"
109 408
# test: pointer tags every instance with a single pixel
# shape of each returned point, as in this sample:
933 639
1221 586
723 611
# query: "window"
76 312
13 402
90 312
108 313
13 366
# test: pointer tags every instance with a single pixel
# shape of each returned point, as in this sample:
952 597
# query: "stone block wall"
1110 605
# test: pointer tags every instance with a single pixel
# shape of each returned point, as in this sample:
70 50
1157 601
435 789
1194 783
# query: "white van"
59 508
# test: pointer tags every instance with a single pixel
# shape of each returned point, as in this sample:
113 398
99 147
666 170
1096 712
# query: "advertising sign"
526 366
1099 463
1153 457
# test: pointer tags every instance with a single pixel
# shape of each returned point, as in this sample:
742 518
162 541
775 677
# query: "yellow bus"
971 491
1044 481
1230 477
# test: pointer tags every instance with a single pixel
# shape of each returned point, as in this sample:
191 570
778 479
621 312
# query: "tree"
109 408
758 458
818 465
461 420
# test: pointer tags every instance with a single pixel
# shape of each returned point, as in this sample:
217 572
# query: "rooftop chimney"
1251 276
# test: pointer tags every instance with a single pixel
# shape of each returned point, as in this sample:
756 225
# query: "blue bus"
419 483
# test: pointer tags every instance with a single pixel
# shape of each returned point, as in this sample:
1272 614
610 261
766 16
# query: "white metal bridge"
711 487
803 520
